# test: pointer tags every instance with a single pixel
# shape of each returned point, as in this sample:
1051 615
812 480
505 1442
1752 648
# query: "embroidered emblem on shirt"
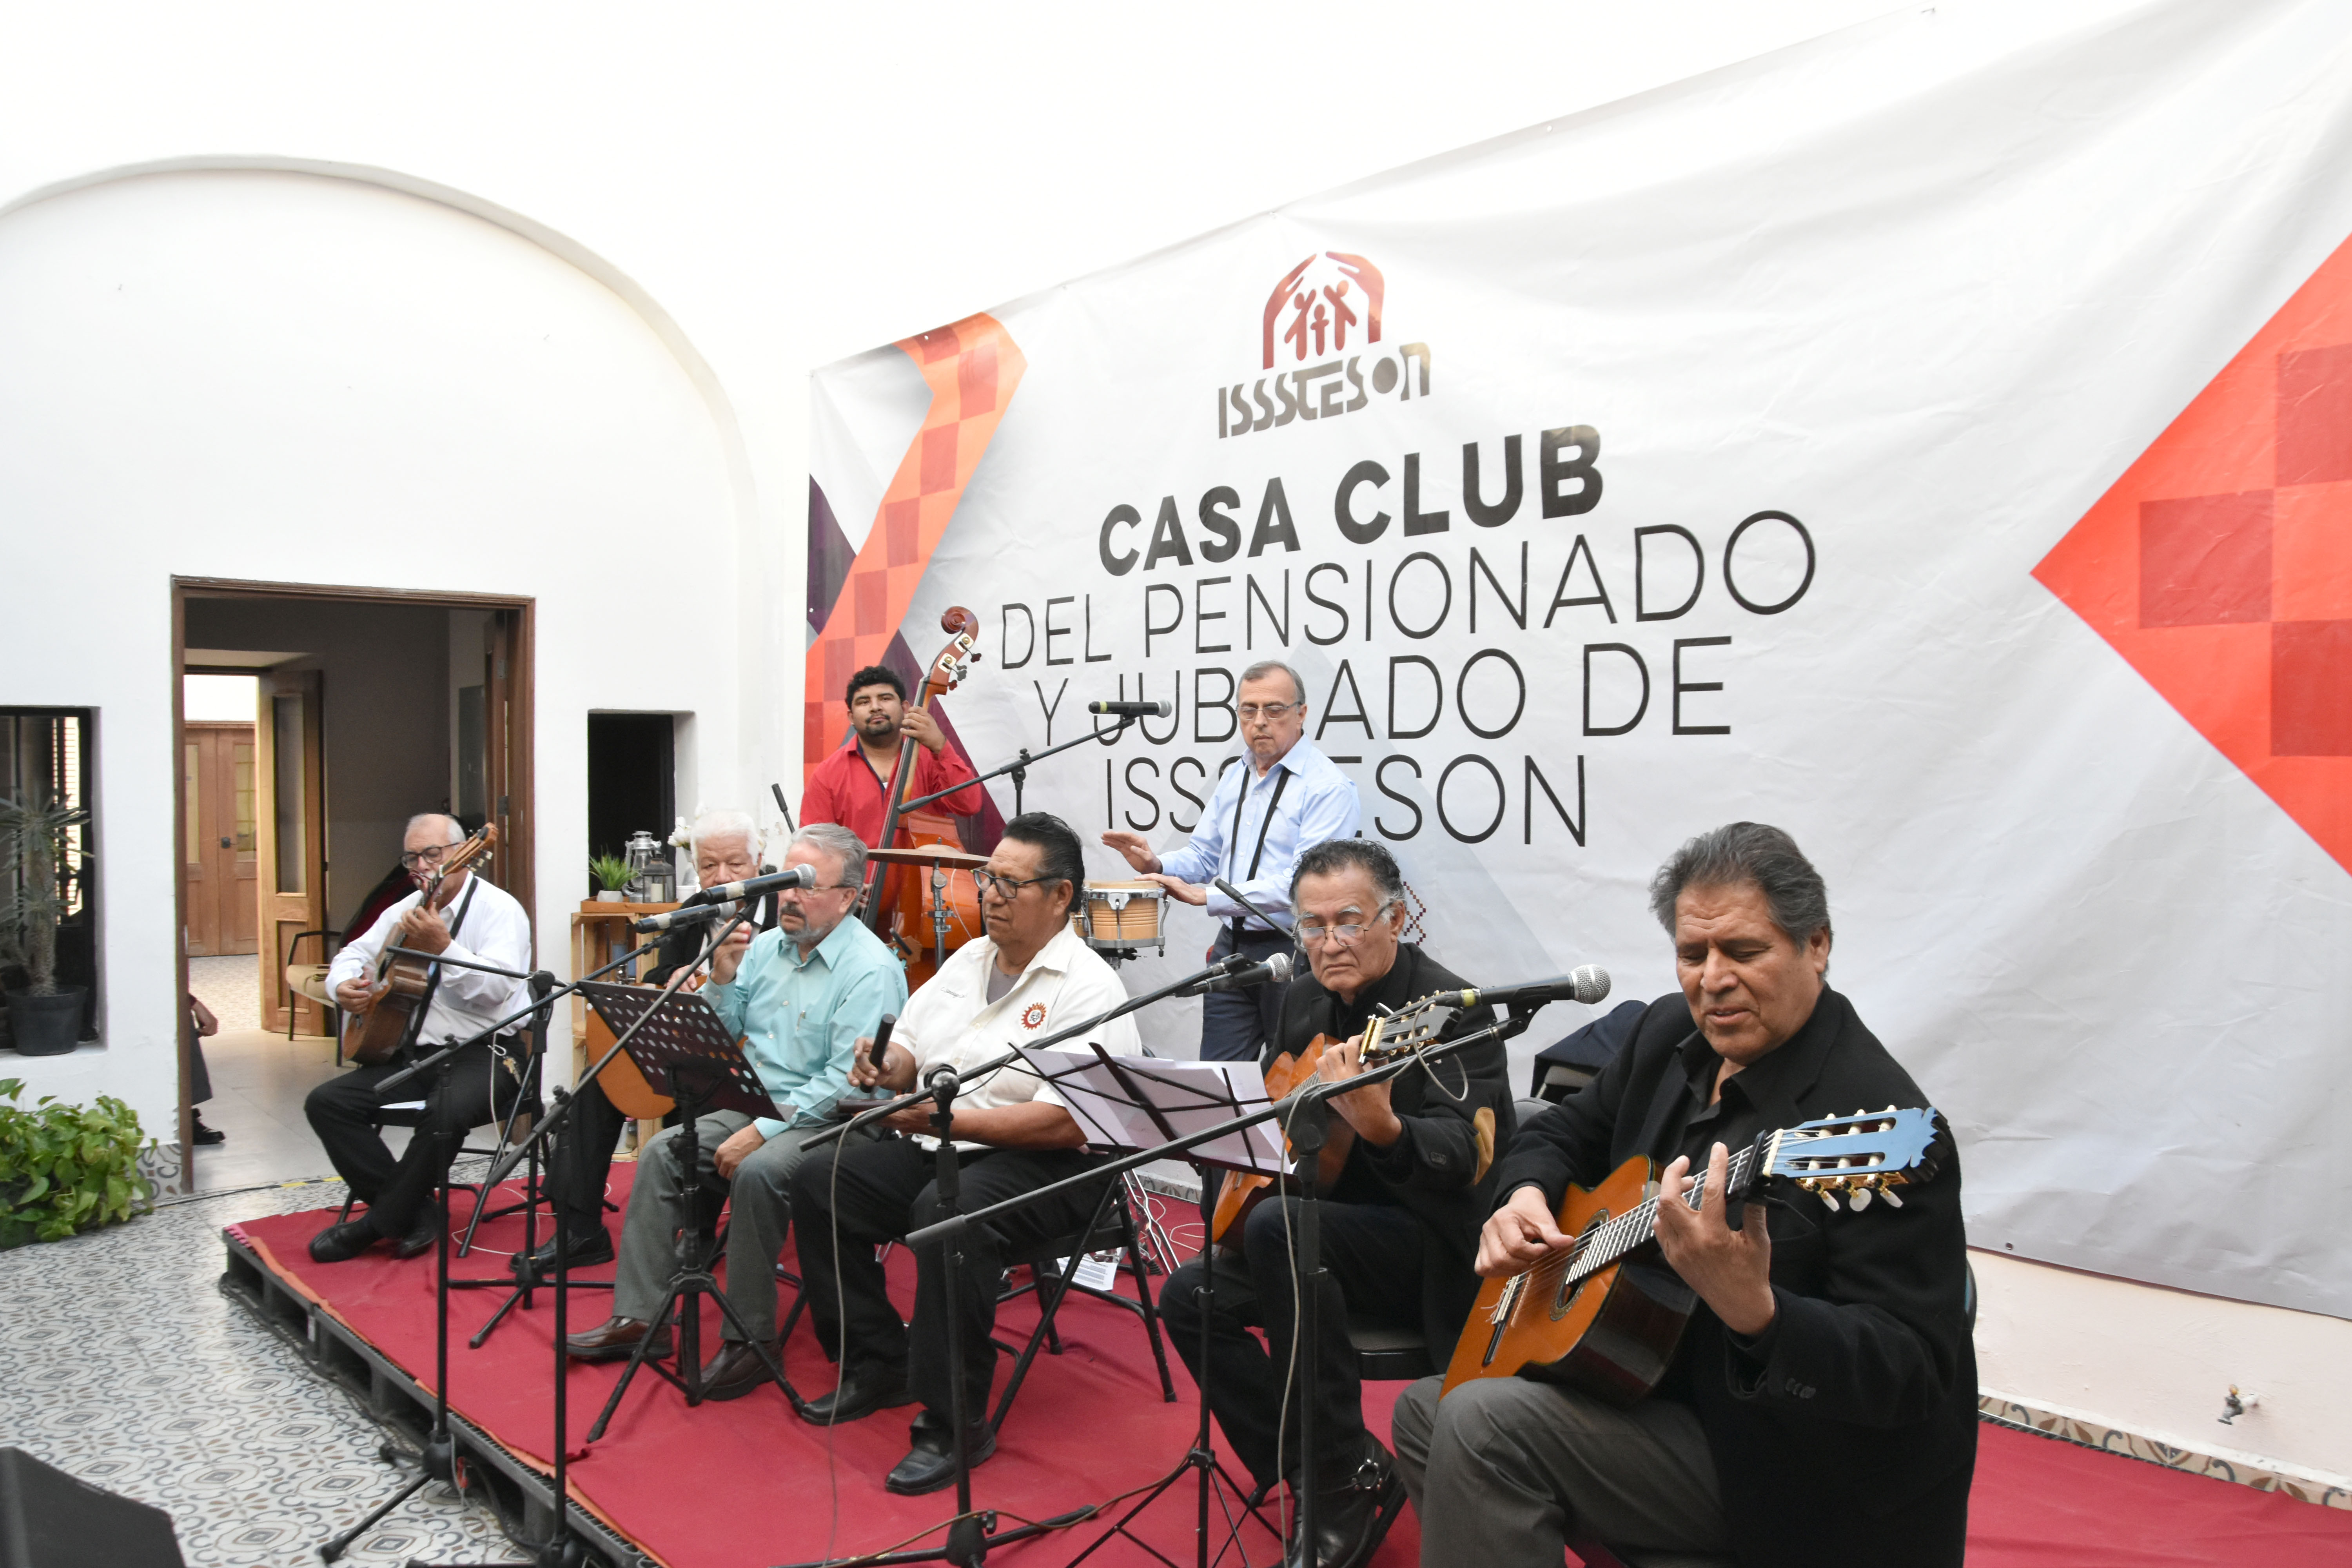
1032 1014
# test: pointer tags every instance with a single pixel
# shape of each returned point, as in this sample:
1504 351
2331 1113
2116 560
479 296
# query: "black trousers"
1373 1258
1235 1025
582 1158
882 1190
347 1111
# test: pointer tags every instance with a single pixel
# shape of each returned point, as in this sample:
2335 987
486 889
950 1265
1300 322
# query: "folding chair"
1112 1226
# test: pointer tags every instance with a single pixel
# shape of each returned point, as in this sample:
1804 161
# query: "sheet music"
1191 1097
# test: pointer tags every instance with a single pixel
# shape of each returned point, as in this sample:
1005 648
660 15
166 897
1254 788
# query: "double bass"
402 985
926 910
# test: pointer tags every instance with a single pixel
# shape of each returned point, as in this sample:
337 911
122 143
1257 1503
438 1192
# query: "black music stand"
685 1043
1125 1103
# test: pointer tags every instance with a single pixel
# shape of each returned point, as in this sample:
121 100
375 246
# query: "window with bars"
46 761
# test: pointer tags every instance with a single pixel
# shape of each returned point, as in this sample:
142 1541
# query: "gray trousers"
658 1209
1504 1472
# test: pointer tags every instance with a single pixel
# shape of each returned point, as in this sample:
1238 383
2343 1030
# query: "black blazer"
1848 1431
1442 1168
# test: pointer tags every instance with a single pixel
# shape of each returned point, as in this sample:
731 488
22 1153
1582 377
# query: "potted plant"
66 1168
43 1018
612 874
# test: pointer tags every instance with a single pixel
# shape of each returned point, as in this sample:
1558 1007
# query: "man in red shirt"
852 786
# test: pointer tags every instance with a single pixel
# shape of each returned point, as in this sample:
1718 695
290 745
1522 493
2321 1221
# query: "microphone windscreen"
1592 983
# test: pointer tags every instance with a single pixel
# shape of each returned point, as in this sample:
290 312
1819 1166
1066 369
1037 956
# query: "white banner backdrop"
1690 460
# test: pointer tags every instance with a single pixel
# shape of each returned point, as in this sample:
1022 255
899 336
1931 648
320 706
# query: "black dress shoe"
614 1338
203 1134
1351 1517
585 1253
931 1465
420 1238
863 1391
737 1370
342 1243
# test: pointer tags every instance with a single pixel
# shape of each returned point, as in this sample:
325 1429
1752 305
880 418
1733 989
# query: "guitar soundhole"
1571 1288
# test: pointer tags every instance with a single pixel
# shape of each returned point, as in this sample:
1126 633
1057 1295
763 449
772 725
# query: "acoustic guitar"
1415 1025
402 985
1605 1314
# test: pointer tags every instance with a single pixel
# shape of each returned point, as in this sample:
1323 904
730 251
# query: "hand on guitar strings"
1730 1269
1518 1236
1369 1109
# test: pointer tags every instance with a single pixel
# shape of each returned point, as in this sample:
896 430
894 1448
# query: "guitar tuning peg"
1859 1197
1827 1195
1893 1198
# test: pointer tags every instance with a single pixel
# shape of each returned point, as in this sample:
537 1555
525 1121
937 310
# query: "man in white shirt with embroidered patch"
1027 978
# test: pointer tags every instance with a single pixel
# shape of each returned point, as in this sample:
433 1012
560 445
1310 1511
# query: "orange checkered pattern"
972 367
2221 563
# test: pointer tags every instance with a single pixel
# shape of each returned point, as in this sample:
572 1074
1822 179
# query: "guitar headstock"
952 664
1415 1025
1867 1153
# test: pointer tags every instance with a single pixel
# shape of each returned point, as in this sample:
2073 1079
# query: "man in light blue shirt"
800 996
1284 798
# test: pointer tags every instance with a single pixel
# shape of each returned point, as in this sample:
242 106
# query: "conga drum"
1122 917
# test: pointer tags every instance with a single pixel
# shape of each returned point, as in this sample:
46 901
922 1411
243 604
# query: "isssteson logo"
1326 306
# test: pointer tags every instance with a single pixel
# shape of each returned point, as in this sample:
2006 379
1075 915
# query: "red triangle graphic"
2221 563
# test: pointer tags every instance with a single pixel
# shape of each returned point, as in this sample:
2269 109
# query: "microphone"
752 886
683 916
1133 710
1588 984
877 1054
1275 971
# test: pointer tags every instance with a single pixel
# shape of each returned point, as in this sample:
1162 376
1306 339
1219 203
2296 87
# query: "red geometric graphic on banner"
2220 564
972 368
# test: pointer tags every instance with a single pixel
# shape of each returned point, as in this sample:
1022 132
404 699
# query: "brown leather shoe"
737 1370
614 1338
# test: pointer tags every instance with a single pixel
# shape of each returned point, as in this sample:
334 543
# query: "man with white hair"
726 847
469 919
801 995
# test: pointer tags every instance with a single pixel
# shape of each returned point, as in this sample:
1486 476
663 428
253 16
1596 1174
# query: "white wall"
284 378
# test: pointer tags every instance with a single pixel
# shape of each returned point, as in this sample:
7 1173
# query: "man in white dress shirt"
1284 798
1028 977
469 919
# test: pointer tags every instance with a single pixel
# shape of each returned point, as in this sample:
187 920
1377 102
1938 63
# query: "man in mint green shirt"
800 996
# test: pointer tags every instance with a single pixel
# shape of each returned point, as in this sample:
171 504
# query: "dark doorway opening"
632 779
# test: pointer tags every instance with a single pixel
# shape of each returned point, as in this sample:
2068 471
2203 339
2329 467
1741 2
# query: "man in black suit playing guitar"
1401 1223
1820 1404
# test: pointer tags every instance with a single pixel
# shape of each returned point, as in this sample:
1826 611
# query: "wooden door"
507 751
290 822
218 762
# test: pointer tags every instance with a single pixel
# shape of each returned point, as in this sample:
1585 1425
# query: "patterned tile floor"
126 1366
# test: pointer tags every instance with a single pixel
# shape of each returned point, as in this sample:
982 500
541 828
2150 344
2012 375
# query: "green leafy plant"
34 843
66 1168
612 872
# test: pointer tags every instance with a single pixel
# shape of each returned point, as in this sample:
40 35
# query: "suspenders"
1232 842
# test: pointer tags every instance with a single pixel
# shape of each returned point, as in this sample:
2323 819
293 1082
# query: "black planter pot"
45 1025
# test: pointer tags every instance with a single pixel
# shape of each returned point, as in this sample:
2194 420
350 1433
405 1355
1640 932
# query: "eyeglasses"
1251 711
1316 934
1008 887
412 860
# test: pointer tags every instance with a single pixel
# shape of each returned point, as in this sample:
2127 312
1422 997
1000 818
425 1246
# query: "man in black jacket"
1400 1226
1820 1406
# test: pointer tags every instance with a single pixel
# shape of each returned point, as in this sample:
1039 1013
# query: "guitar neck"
1622 1234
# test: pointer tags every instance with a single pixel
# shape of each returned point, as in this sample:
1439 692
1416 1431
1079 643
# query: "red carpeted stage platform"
747 1484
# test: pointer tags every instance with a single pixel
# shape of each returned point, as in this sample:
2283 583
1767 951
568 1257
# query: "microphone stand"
1304 1117
880 1108
1018 768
